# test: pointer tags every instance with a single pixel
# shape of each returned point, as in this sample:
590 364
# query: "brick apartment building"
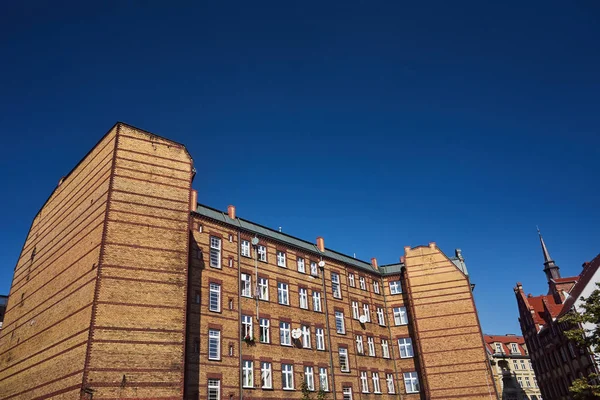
513 371
556 360
127 288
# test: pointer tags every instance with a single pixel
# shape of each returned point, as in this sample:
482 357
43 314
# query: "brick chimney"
374 263
231 211
194 200
321 244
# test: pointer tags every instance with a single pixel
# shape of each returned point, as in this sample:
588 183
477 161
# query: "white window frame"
247 326
248 374
355 312
335 285
376 287
367 311
406 348
264 330
317 301
385 348
376 382
305 336
360 348
351 281
498 347
214 296
527 382
214 343
285 333
371 346
362 282
343 359
323 379
314 270
400 316
266 375
411 382
263 288
347 393
262 252
301 265
283 293
340 326
281 259
380 316
245 248
287 376
514 348
391 387
246 285
309 377
215 252
364 382
303 298
214 389
395 287
320 338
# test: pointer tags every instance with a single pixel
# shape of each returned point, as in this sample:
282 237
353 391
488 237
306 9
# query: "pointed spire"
547 258
550 268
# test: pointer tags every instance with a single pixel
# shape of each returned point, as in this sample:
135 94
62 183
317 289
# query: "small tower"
550 268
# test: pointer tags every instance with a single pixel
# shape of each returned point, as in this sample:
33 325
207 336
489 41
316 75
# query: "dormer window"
498 347
514 349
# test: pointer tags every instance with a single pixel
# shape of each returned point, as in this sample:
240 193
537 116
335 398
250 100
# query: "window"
527 382
314 271
309 378
376 386
265 336
214 389
400 317
406 349
351 282
347 393
411 382
303 293
263 289
320 336
535 382
367 312
317 301
343 353
247 327
282 293
285 337
197 346
395 287
300 262
389 380
571 351
287 376
197 297
355 313
385 348
305 337
245 248
214 299
371 345
215 252
530 365
520 380
515 364
262 253
359 345
248 374
335 285
266 375
514 349
363 283
523 364
214 344
376 286
364 382
380 316
246 285
339 322
498 348
323 379
281 259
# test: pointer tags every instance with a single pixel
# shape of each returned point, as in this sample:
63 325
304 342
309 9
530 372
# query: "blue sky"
376 125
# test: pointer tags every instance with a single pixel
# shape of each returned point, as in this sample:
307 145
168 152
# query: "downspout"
328 330
240 314
391 344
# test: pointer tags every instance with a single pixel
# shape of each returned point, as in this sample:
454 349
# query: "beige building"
514 376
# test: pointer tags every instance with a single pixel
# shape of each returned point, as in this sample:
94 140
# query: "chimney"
194 200
402 259
432 245
231 211
374 263
321 244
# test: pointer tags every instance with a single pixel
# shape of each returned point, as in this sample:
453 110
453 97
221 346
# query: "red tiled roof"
567 279
584 279
537 302
505 340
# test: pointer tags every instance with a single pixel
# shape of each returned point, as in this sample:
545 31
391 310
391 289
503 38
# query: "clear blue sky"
374 125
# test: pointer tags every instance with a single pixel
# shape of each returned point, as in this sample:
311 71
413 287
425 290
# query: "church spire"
550 268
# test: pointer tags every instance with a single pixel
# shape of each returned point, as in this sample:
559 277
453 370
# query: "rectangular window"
406 349
323 379
346 393
389 380
351 282
395 287
363 283
335 285
263 289
281 259
355 312
301 267
248 374
385 348
317 301
309 378
215 252
246 285
527 382
523 364
515 364
380 316
400 317
520 380
265 336
376 286
498 348
282 293
214 300
262 253
266 375
364 382
214 389
314 271
305 337
214 344
411 382
359 345
514 349
371 345
367 312
197 297
247 327
285 337
376 385
339 322
303 294
287 376
320 335
245 248
343 353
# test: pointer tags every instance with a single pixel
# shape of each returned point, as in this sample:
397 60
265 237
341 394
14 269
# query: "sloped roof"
505 340
584 279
